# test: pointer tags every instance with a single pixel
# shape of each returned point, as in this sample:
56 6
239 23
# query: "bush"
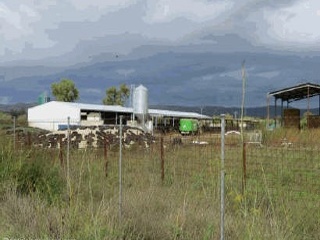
40 178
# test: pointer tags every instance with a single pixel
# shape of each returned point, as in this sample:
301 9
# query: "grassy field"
43 198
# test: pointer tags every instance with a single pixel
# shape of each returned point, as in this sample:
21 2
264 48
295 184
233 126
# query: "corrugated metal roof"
120 109
93 107
178 114
298 92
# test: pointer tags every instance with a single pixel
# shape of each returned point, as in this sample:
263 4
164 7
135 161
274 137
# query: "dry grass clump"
29 217
170 213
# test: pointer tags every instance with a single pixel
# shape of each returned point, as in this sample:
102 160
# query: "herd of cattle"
86 137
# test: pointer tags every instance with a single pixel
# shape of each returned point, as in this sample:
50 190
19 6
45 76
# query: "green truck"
188 126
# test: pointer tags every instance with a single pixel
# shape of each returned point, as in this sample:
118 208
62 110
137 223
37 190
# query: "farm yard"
173 120
170 187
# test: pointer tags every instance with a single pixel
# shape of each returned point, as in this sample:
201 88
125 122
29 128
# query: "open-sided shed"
292 94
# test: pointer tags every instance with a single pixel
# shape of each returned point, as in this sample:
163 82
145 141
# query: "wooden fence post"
60 151
106 157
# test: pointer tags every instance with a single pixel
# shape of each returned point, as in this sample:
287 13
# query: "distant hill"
17 108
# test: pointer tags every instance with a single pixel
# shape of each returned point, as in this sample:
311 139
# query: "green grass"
280 201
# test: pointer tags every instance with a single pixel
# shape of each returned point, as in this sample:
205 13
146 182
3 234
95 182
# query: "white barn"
54 115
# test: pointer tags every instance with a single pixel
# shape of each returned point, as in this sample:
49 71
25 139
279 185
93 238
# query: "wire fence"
270 170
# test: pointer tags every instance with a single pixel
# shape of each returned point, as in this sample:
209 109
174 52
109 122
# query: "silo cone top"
141 87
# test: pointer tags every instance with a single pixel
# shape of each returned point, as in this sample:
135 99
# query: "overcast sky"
57 34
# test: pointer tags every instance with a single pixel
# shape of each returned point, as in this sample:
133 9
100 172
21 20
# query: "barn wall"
50 116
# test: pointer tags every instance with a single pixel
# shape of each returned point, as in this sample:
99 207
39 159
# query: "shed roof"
177 114
295 93
85 106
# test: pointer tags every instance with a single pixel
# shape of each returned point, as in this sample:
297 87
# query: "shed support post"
268 111
281 114
275 112
319 106
308 100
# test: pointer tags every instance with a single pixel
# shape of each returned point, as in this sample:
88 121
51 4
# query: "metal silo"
140 103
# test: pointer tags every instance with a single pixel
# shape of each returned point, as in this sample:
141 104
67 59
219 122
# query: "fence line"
191 157
281 163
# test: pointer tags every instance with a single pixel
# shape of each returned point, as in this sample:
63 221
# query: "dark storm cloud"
189 78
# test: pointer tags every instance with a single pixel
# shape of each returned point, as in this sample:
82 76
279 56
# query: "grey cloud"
182 60
182 78
64 27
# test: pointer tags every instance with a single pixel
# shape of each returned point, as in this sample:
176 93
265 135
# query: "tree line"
66 91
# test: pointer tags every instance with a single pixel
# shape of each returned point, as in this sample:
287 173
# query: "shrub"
39 177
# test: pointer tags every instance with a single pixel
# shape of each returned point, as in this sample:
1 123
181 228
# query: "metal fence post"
68 158
222 203
120 169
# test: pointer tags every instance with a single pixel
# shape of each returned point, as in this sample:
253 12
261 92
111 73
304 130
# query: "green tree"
123 94
111 97
65 90
116 96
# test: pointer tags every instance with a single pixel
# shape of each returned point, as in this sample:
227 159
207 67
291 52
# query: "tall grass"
280 200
